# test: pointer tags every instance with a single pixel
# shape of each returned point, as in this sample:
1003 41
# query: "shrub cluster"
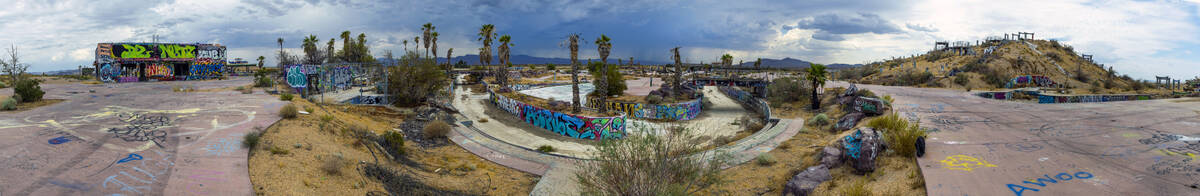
289 111
436 129
901 135
29 90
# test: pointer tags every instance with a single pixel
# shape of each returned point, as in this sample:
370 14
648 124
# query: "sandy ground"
299 172
991 147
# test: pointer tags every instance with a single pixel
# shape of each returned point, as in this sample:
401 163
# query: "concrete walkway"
558 171
996 147
133 139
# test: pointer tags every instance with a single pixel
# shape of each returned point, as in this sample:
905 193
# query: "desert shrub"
961 79
856 73
789 89
751 124
361 134
333 164
865 93
819 120
914 78
251 139
308 109
932 56
856 188
263 82
394 142
8 104
764 159
664 162
29 90
483 120
288 111
654 99
436 129
889 99
545 148
286 97
616 80
415 80
16 97
900 134
277 150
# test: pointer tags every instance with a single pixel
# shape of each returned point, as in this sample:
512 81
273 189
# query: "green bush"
394 142
8 104
616 80
3 85
764 159
288 111
819 120
309 110
415 80
29 90
250 140
285 97
665 166
789 89
545 149
436 129
901 135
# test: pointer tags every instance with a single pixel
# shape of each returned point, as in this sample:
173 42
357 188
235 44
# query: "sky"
1139 38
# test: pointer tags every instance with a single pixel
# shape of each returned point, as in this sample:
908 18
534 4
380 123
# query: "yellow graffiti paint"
964 162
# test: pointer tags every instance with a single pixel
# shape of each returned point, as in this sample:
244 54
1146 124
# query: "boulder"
861 148
870 106
848 121
802 184
831 157
850 91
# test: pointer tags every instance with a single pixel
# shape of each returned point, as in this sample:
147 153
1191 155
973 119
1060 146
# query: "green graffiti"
134 51
177 51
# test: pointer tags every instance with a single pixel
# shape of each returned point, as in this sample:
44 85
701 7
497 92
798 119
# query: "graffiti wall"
160 71
1089 98
679 111
1030 81
324 78
995 95
582 127
132 62
747 100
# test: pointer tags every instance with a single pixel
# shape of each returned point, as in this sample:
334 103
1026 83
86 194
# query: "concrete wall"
678 111
748 100
576 126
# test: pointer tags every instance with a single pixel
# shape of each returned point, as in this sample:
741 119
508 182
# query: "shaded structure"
134 62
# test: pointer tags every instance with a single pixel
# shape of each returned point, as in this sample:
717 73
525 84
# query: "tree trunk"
816 102
602 89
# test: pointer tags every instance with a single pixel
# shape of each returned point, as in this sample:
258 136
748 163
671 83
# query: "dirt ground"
298 171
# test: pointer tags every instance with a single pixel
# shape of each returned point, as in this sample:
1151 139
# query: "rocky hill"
992 64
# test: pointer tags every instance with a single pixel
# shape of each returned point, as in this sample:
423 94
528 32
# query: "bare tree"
13 66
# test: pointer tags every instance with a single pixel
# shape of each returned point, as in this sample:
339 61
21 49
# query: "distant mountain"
842 65
472 59
59 72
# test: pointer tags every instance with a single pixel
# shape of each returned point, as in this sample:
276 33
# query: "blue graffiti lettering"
1041 182
131 157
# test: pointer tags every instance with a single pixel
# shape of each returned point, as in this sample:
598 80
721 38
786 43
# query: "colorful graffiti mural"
324 78
296 78
1049 99
132 62
747 100
582 127
176 51
160 71
679 111
995 95
1030 81
205 70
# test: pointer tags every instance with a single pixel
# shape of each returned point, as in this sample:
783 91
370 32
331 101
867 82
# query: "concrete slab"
994 147
133 139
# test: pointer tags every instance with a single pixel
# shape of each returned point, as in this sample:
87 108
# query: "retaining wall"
678 111
1047 99
576 126
748 100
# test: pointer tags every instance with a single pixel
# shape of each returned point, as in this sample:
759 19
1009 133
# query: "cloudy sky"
1141 38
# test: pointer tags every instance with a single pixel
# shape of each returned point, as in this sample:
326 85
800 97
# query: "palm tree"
260 61
428 33
816 75
677 80
360 49
310 49
603 46
449 53
329 51
433 43
503 51
406 45
573 45
347 46
727 60
280 40
486 32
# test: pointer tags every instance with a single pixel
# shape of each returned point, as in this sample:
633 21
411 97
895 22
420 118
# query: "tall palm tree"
727 60
816 75
260 61
603 46
280 40
360 49
677 80
503 51
433 44
310 49
406 45
486 32
427 34
573 45
449 53
347 46
329 51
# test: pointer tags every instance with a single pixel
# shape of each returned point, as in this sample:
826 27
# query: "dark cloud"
848 24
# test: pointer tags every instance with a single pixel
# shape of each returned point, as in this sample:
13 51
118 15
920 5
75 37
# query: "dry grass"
300 172
26 106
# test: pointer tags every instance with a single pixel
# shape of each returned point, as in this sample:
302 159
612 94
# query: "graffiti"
131 157
964 162
1158 138
1023 147
853 144
221 146
575 126
134 51
1018 189
205 70
104 50
1030 81
995 95
58 140
210 53
296 78
679 111
174 51
109 72
141 128
159 71
757 105
1177 166
141 175
368 100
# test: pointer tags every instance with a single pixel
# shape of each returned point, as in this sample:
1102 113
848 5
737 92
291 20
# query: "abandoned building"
135 62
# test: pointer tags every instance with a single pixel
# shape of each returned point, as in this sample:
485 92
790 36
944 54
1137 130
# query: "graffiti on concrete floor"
1019 189
142 127
137 178
964 162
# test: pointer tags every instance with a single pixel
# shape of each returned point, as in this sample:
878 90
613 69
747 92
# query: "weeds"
856 188
900 134
436 129
250 140
333 164
819 120
288 111
545 149
276 150
764 159
285 97
664 162
394 143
